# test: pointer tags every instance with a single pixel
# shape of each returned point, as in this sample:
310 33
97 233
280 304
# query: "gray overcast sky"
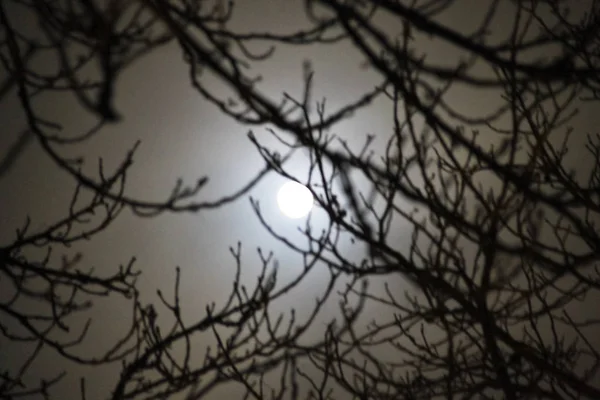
185 137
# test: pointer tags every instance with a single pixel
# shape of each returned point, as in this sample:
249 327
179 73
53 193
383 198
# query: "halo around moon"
294 200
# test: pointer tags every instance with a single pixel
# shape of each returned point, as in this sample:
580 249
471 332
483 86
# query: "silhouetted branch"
478 240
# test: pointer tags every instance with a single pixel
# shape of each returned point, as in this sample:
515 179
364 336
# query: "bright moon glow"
294 200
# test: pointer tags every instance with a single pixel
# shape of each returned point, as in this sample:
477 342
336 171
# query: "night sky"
183 136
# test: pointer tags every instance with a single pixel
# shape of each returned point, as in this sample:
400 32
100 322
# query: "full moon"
294 200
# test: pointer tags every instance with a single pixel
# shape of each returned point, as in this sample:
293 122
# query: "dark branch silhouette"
480 240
